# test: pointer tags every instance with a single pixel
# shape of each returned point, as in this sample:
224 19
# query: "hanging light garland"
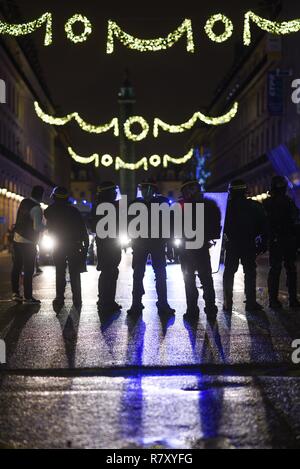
271 27
176 129
83 159
87 28
150 45
136 120
170 159
211 23
141 164
158 123
28 28
92 129
107 160
155 161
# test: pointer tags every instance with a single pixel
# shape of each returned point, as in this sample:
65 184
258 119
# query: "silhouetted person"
29 225
197 261
282 215
71 243
142 248
245 223
109 253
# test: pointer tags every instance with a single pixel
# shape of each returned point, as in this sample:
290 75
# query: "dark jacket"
245 221
109 245
66 223
24 224
212 220
282 215
155 242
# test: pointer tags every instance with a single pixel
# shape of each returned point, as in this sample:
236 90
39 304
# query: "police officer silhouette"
109 255
245 223
283 216
66 225
197 261
156 248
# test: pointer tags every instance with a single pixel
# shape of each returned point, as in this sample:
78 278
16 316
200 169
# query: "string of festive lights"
158 123
60 121
136 120
152 45
272 27
176 129
17 197
28 28
141 164
84 159
155 161
211 23
107 160
170 159
86 32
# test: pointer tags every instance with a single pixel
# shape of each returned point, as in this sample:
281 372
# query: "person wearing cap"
157 249
245 223
283 216
198 260
71 243
109 254
29 225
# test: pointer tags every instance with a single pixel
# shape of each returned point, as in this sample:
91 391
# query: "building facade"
264 138
31 153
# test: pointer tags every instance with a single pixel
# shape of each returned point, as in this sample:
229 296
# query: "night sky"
171 84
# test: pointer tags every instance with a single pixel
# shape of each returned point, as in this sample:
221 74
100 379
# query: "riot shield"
221 199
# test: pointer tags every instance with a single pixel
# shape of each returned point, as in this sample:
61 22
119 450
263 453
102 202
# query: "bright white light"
91 238
124 240
177 243
47 243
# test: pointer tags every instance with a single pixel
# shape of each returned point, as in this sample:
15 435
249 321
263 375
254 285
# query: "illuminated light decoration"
143 163
84 160
176 129
272 27
201 173
100 129
211 23
114 124
28 28
84 35
169 159
17 197
150 45
107 161
60 121
155 160
136 120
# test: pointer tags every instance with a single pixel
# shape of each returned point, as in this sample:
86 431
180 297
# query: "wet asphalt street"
72 380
